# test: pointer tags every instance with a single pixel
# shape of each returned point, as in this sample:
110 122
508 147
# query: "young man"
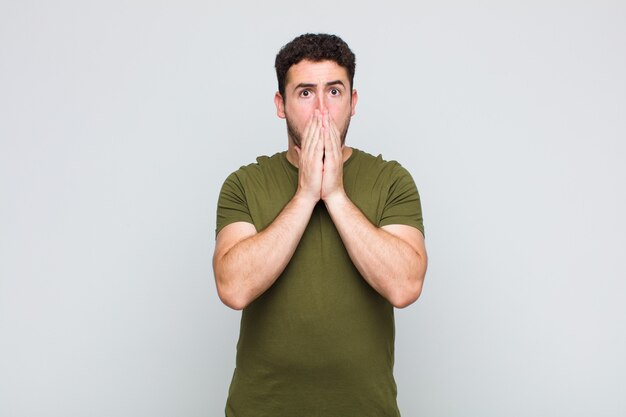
317 245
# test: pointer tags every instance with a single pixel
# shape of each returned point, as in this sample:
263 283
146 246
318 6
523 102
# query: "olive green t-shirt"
320 341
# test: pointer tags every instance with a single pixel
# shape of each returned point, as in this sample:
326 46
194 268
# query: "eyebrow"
310 85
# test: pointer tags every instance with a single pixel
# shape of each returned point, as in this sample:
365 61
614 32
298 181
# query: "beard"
296 137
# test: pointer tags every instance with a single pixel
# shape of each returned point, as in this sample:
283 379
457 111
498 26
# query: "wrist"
305 198
336 198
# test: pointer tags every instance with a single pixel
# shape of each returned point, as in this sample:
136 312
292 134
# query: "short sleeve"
232 205
403 204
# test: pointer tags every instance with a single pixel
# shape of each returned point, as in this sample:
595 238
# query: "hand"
310 157
332 179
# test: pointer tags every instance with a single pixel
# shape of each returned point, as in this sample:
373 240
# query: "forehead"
316 72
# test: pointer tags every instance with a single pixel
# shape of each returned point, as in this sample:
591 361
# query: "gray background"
119 120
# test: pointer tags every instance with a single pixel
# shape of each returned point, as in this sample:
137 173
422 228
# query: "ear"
355 98
280 105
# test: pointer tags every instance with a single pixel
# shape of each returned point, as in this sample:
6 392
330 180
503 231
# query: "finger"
315 134
325 118
332 145
326 121
335 131
324 141
307 130
315 124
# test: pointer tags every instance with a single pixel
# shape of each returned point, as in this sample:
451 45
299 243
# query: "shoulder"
263 162
255 171
368 164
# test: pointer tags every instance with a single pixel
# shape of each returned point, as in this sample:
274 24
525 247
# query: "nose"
321 102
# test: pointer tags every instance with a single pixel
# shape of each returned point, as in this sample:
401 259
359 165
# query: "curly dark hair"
316 48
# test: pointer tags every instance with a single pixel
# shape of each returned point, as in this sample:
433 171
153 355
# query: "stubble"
296 137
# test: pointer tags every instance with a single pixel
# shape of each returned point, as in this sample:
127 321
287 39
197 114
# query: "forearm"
393 267
248 268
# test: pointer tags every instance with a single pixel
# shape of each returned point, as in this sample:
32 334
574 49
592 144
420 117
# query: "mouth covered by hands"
320 158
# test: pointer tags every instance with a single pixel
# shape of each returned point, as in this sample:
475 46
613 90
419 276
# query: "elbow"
233 303
231 299
409 293
406 297
230 295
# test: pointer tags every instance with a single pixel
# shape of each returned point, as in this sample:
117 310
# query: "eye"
334 92
305 93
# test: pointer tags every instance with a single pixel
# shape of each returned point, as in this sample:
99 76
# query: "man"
317 245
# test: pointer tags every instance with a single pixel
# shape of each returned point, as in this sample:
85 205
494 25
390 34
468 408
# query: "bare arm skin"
392 259
247 263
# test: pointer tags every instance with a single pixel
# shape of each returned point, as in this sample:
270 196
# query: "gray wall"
119 120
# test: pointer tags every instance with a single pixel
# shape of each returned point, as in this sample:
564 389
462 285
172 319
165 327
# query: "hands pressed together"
320 159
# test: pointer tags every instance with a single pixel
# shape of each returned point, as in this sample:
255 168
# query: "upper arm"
410 235
230 235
